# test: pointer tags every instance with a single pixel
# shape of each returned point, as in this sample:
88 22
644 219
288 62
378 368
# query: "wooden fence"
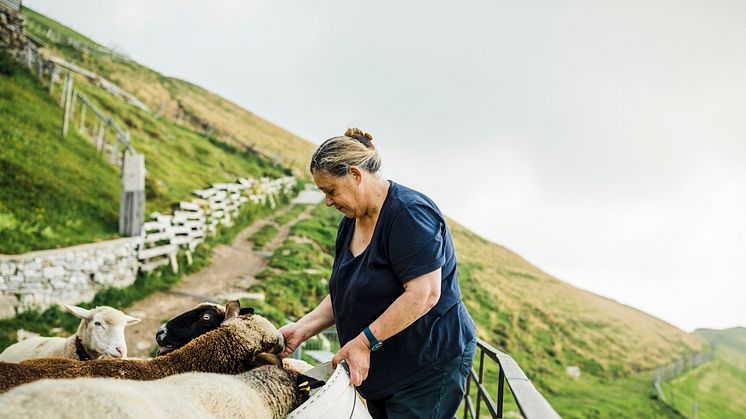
192 221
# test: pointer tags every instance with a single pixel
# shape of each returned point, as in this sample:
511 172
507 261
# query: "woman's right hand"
294 336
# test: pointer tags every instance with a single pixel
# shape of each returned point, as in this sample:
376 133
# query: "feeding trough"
336 399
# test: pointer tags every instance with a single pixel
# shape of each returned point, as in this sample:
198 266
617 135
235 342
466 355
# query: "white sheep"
265 392
100 335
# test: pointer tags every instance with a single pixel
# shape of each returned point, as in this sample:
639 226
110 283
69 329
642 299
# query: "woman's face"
341 191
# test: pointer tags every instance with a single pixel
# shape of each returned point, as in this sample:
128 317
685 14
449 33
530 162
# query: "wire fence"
679 398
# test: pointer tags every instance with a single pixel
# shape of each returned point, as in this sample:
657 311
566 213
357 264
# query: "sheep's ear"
264 358
247 310
131 320
79 312
232 309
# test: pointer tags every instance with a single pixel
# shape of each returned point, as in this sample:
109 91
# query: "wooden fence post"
63 96
52 76
82 117
132 202
68 103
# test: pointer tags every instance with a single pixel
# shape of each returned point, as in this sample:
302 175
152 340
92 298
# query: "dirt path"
231 271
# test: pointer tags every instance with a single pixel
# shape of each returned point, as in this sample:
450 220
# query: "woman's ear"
356 173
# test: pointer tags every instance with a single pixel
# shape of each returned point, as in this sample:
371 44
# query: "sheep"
265 392
100 335
229 349
180 330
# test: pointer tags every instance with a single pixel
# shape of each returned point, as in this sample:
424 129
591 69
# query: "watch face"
377 346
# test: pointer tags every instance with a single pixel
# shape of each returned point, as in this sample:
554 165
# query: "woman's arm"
313 323
420 295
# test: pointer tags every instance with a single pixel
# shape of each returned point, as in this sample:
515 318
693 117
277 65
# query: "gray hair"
335 155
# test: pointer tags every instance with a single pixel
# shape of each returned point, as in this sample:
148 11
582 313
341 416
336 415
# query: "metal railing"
530 402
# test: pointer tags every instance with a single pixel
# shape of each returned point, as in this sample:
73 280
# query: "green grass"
718 388
264 235
294 281
289 215
57 191
54 191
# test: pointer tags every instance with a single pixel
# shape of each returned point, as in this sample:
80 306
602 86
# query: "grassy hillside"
174 99
57 191
717 387
733 338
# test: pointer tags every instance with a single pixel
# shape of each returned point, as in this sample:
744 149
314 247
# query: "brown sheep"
229 349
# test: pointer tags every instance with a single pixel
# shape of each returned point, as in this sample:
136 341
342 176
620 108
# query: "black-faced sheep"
180 330
229 349
100 335
262 393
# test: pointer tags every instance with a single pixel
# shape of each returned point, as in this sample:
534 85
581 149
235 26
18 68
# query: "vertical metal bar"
500 391
481 380
466 393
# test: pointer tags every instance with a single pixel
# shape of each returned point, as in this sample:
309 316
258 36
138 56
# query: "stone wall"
71 275
12 37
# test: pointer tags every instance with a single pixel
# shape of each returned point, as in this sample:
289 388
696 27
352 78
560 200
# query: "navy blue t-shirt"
410 239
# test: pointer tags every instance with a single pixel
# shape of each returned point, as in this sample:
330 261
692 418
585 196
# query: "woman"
393 292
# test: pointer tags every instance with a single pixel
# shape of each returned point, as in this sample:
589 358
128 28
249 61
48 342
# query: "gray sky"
603 141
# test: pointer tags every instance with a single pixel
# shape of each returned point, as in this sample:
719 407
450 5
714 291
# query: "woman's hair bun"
358 134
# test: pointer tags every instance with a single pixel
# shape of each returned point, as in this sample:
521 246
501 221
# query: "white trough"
336 399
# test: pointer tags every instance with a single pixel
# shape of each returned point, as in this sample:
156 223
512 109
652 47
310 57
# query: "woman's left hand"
357 354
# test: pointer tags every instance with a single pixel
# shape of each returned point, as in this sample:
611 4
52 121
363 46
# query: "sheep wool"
267 392
229 349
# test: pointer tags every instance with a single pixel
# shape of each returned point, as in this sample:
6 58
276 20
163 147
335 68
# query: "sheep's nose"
160 335
120 351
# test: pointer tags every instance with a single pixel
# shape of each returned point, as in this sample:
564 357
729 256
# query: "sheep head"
254 329
102 330
180 330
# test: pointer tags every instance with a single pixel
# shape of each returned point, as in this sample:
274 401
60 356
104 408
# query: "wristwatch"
375 344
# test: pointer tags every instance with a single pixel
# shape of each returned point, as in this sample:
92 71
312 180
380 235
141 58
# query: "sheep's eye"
206 317
97 323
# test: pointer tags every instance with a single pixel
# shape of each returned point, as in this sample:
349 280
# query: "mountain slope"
178 100
734 338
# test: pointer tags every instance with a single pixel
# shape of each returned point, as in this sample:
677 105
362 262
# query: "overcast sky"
603 141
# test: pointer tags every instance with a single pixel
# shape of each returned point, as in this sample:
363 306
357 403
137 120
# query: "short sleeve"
416 242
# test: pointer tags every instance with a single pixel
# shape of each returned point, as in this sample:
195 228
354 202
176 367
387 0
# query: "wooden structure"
191 222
